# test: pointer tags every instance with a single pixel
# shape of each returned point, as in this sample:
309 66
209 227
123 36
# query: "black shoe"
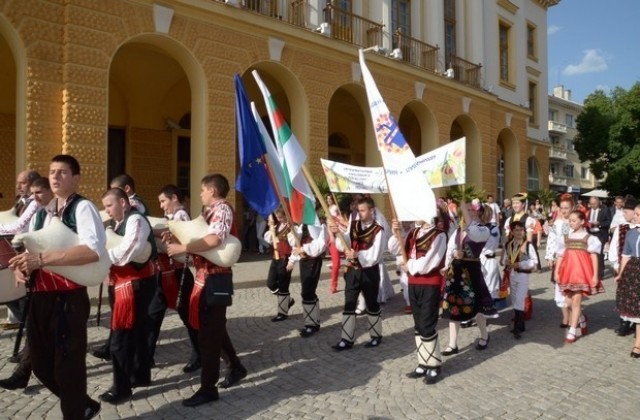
191 366
102 353
624 329
200 398
308 331
450 350
432 375
342 345
563 325
233 377
92 410
480 346
15 381
373 342
114 398
415 374
279 317
468 324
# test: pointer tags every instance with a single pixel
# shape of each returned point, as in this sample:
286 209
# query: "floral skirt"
628 292
466 292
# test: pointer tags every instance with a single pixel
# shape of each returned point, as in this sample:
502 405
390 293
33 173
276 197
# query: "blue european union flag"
253 180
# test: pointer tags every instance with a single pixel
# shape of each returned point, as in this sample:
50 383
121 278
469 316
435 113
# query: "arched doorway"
464 126
418 125
347 125
150 95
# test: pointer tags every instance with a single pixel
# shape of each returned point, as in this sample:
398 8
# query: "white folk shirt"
22 223
318 244
135 238
371 256
430 261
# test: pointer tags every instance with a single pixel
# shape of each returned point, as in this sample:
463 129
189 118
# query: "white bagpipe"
8 216
56 236
224 255
8 289
162 223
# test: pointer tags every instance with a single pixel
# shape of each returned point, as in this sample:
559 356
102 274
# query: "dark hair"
217 181
368 201
442 216
579 214
41 182
70 161
118 193
123 180
170 190
32 176
515 224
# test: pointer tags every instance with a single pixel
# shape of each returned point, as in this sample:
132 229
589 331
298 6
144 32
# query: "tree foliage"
609 137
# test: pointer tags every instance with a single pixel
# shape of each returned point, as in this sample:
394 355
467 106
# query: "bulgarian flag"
302 203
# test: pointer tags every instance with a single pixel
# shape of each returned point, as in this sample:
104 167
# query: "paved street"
295 378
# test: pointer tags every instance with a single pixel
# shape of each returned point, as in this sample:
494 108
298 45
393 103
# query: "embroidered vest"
134 270
422 246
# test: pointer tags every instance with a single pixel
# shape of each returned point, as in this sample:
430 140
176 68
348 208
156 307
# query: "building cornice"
508 6
547 3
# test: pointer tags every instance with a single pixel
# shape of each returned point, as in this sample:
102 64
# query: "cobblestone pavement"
295 378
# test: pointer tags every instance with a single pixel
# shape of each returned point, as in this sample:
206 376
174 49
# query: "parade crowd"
472 260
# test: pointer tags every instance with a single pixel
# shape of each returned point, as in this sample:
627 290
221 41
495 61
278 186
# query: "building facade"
566 172
146 87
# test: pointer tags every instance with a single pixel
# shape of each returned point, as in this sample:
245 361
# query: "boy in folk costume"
64 373
279 277
175 281
208 313
313 240
520 259
363 274
135 285
426 247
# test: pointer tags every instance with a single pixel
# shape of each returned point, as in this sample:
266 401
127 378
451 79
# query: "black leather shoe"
468 324
373 342
416 374
92 410
233 377
481 346
309 331
279 317
191 366
342 345
432 375
114 398
449 351
102 353
200 398
15 381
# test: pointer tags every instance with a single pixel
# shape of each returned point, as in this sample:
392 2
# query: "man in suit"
599 219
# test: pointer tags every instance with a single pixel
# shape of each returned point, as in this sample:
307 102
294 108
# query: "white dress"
490 266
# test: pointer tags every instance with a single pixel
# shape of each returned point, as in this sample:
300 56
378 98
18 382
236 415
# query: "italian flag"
302 203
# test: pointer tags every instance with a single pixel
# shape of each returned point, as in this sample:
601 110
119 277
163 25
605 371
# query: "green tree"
609 138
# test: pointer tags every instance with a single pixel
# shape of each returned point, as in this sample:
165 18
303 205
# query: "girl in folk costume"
616 248
466 293
490 267
425 246
558 229
628 280
279 277
520 259
176 281
577 271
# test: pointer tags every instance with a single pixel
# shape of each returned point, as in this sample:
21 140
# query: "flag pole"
283 203
323 203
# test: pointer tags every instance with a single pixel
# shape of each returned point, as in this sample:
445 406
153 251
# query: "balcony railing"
465 71
556 179
416 52
352 28
558 152
557 127
295 12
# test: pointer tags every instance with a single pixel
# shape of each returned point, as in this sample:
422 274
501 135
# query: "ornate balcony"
352 28
416 52
558 152
555 179
465 71
556 127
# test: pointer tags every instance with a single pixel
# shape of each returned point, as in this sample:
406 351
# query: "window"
568 118
553 115
449 29
568 171
553 168
531 41
570 145
400 22
503 35
533 175
584 173
533 97
555 140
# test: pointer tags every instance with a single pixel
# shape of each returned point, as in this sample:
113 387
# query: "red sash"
123 307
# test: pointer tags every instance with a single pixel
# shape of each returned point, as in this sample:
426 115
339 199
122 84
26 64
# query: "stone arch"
348 115
465 126
168 107
13 110
288 94
419 127
508 151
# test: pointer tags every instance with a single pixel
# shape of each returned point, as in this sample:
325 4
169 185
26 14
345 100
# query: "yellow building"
146 87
